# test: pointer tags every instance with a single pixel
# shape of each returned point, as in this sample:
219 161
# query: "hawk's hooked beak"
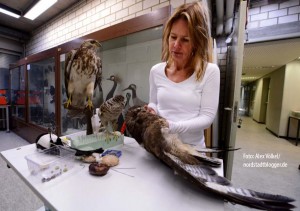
98 44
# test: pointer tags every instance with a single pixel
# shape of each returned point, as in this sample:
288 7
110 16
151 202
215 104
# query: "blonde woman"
184 88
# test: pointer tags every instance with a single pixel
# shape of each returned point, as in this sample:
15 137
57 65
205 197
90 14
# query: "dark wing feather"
148 130
198 173
68 64
221 186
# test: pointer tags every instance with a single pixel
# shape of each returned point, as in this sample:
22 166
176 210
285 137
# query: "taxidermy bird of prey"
151 132
110 111
83 71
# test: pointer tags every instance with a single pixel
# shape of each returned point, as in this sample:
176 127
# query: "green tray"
96 141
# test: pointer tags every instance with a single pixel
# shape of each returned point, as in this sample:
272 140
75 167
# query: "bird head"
133 112
131 87
114 78
111 78
128 95
92 44
119 99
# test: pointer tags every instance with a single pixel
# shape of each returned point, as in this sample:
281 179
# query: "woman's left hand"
149 109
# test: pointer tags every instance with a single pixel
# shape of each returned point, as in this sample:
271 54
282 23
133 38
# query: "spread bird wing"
150 131
207 179
68 64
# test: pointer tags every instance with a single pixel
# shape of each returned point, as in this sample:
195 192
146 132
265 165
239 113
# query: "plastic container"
50 163
96 122
95 141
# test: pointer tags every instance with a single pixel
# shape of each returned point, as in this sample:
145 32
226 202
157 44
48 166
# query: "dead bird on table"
151 132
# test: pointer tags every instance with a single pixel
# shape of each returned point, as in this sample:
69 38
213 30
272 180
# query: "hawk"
151 132
83 73
110 111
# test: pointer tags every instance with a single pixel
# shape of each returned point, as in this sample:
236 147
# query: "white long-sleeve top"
189 106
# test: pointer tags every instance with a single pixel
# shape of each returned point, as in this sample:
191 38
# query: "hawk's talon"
89 104
68 103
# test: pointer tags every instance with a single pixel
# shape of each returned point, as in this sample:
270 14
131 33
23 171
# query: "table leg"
297 136
288 128
7 119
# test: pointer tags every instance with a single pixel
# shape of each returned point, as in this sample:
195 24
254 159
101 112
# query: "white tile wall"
289 3
294 10
278 13
261 16
270 7
253 11
128 3
288 19
177 3
273 14
252 25
136 8
268 22
89 16
149 3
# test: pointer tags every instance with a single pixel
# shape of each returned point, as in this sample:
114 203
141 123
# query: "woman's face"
180 45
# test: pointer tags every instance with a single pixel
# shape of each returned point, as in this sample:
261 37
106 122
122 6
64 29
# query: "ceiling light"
39 8
9 11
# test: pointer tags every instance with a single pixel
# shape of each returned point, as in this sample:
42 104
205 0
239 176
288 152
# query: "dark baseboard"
258 121
272 132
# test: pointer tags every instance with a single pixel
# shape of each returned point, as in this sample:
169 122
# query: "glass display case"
38 92
41 92
17 81
126 62
70 122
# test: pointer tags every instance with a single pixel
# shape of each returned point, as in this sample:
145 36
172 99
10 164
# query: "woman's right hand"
149 109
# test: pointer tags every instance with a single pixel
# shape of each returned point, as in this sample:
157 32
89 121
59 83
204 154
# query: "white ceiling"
265 57
25 25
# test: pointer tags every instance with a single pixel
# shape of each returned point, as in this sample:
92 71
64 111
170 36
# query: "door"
235 62
264 100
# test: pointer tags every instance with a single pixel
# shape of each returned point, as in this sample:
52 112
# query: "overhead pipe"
229 16
13 34
210 9
220 17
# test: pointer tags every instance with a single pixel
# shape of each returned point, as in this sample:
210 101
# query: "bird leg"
69 101
109 131
89 93
89 104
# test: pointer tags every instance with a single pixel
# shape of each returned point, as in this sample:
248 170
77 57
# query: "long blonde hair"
197 16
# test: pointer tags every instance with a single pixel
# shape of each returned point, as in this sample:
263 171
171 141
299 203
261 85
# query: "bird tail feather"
211 150
195 172
208 160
